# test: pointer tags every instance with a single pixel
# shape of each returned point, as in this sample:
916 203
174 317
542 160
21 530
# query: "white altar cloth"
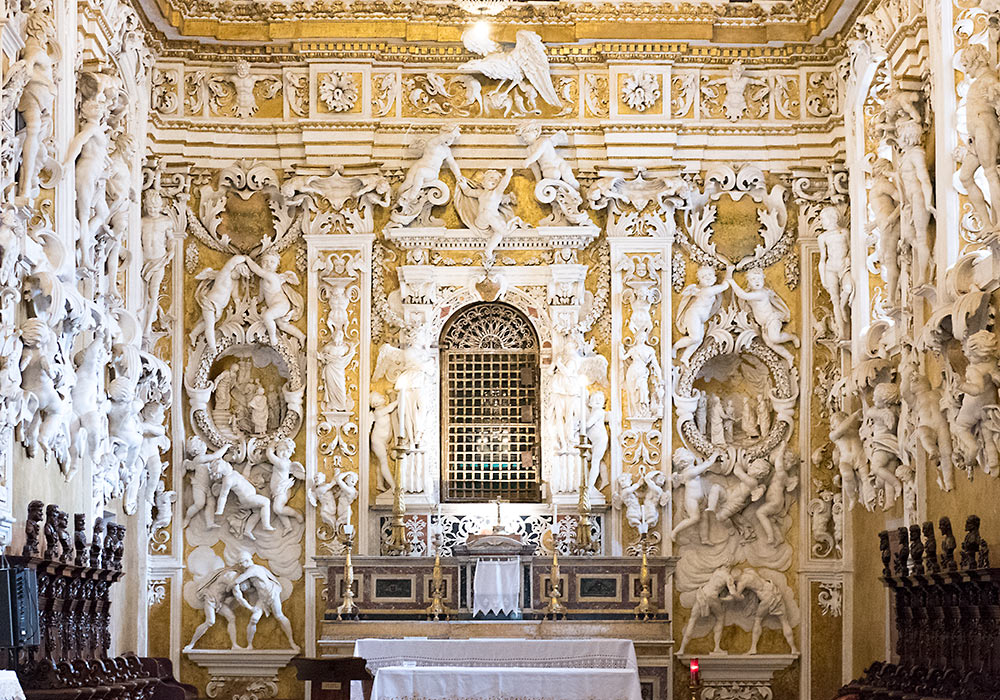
465 683
502 652
496 586
10 687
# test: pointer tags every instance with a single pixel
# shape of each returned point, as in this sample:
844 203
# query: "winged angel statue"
411 370
525 66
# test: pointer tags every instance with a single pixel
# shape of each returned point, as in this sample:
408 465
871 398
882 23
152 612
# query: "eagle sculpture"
525 63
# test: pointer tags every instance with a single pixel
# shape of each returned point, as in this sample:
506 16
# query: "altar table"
484 683
499 652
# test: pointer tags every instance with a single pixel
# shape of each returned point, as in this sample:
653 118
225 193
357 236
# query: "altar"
598 629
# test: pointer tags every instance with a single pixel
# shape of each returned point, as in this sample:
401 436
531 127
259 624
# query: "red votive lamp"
695 684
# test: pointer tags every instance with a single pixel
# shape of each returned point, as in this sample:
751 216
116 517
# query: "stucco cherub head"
706 276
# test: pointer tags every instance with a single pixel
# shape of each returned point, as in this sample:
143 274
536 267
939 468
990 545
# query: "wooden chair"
331 677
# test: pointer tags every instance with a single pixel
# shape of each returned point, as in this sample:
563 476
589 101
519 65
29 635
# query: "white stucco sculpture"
699 302
597 433
89 424
380 437
770 603
232 482
689 473
883 200
265 590
281 303
880 439
284 472
928 424
216 596
45 397
848 451
244 83
976 439
197 461
710 602
411 369
735 104
643 378
834 243
769 311
642 500
423 175
573 370
157 253
334 358
487 209
525 66
215 291
37 62
782 482
918 200
543 154
983 124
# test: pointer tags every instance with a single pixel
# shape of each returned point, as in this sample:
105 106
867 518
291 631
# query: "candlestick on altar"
398 543
437 607
347 608
645 609
584 540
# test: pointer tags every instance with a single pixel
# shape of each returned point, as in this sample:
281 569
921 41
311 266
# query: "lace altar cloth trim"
451 683
498 653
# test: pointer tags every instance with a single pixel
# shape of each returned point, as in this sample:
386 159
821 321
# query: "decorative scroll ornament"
699 219
626 201
245 179
831 598
337 203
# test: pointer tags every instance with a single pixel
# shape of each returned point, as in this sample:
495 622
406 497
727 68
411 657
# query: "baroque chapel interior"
499 349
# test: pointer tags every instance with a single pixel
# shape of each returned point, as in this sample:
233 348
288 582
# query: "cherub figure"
736 83
687 472
282 304
930 426
770 603
424 172
323 497
655 498
486 209
709 602
379 438
627 497
214 292
882 444
244 84
749 487
231 481
597 433
699 302
347 493
848 452
782 482
979 397
834 243
283 474
542 152
163 501
197 460
769 311
42 384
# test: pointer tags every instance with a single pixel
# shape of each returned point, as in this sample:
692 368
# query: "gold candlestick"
555 609
347 608
437 607
645 609
399 543
584 541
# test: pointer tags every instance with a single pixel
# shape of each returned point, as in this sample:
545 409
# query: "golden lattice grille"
490 397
